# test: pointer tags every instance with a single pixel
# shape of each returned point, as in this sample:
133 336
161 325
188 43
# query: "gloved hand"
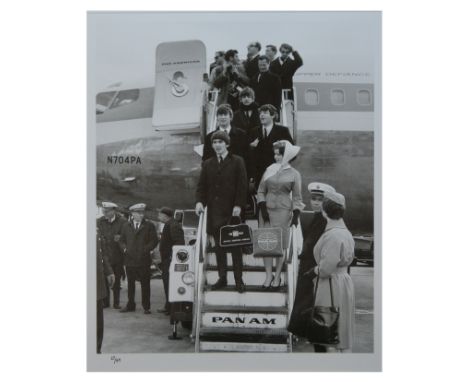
295 218
264 212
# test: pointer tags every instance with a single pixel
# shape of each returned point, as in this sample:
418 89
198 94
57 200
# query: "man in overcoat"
285 67
262 140
172 234
239 141
251 64
110 226
266 85
222 188
103 274
137 240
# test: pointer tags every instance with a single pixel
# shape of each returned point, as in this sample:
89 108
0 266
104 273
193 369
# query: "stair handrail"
212 111
201 249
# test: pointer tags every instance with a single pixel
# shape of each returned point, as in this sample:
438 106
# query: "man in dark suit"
172 234
263 138
103 274
247 117
239 139
110 225
251 64
285 67
137 240
266 85
222 188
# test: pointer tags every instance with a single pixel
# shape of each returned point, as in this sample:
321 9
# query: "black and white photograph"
234 191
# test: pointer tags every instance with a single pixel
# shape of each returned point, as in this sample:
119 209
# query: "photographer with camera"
230 79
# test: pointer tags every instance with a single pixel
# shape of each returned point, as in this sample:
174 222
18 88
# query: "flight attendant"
280 202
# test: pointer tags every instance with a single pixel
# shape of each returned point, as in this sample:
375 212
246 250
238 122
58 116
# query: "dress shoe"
269 285
127 309
164 310
221 283
240 287
276 287
147 311
117 306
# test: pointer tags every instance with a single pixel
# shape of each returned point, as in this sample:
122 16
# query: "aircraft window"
311 97
103 100
364 97
125 97
337 97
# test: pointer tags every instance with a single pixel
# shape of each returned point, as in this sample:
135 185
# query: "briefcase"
238 235
267 242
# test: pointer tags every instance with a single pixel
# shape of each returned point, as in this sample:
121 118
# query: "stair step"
244 335
229 296
208 346
244 320
251 278
248 288
248 260
244 309
245 268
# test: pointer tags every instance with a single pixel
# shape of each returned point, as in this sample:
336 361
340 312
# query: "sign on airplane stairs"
253 321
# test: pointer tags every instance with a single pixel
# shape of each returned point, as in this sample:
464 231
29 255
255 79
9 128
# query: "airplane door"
179 86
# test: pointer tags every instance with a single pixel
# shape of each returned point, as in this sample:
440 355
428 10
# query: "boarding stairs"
253 321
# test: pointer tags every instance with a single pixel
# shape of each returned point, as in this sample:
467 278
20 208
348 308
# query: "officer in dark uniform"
138 238
312 230
172 234
110 225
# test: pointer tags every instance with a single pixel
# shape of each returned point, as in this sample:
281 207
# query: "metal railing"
200 256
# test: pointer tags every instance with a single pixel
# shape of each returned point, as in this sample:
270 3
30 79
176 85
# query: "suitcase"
267 242
238 235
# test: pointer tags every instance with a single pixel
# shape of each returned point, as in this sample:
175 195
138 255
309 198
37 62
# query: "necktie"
137 225
220 159
264 133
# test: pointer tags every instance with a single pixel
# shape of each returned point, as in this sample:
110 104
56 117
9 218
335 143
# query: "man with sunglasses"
218 60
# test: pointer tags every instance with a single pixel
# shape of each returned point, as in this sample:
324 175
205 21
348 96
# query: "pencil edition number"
115 359
121 159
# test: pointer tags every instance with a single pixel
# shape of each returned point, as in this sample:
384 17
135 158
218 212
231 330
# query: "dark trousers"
221 261
144 275
165 264
100 324
119 272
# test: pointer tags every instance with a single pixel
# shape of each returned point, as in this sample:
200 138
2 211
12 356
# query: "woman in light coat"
334 252
280 202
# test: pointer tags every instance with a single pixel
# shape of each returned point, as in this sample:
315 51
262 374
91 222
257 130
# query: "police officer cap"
167 211
109 205
319 188
221 135
138 207
336 197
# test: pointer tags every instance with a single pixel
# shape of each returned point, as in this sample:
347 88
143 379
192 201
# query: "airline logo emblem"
267 241
178 86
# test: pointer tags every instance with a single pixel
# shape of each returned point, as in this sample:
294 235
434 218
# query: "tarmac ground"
135 332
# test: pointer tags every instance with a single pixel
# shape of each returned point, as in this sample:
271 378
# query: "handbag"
322 321
238 235
268 242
